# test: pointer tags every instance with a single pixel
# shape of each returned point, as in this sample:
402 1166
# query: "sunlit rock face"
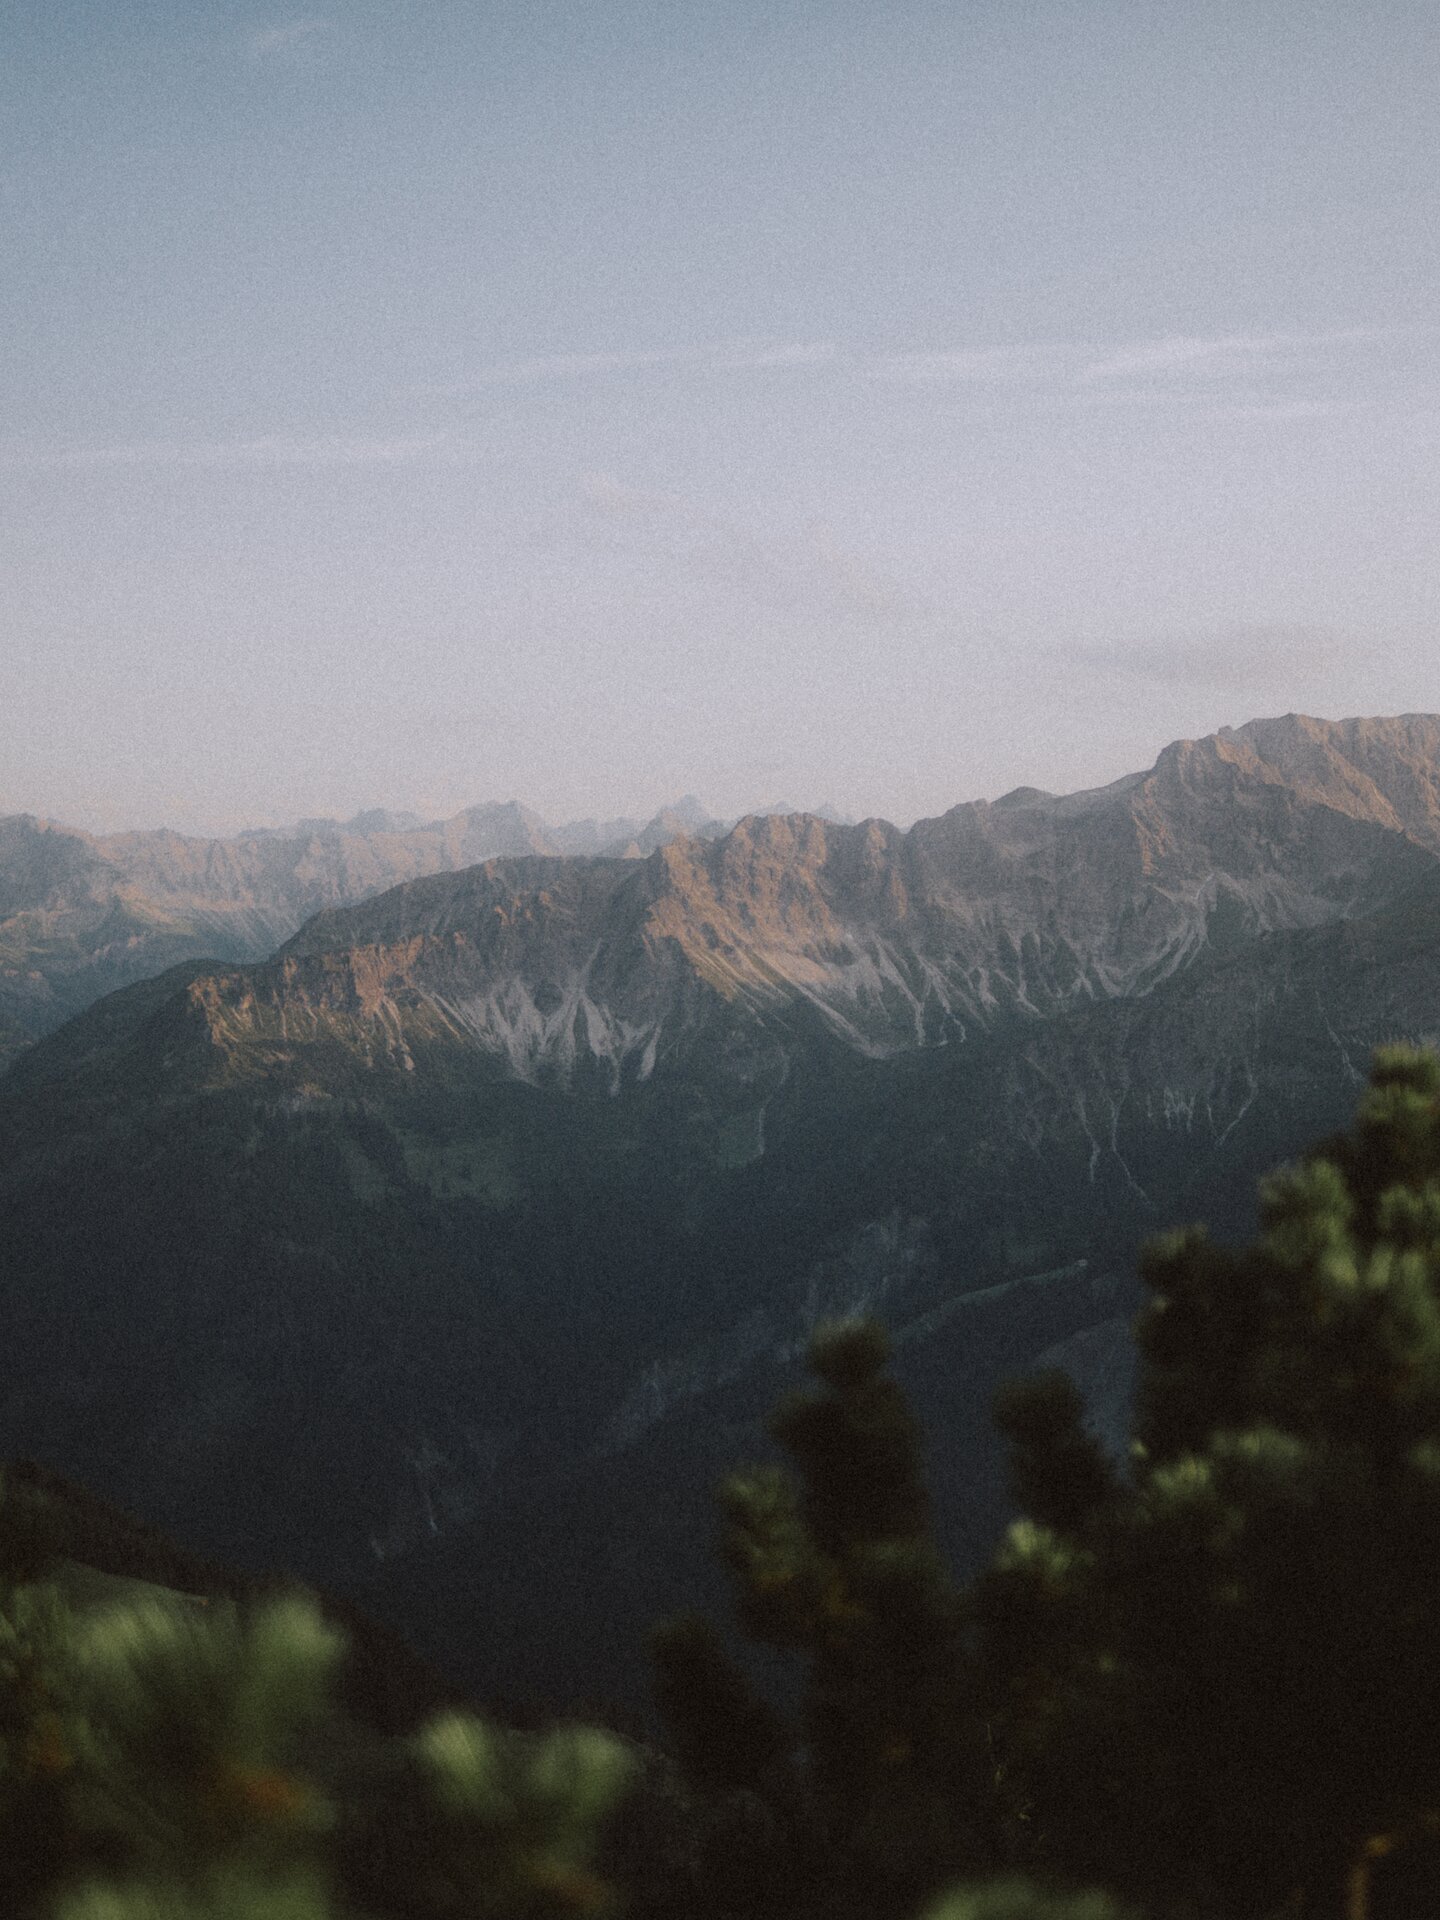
82 914
895 939
1018 908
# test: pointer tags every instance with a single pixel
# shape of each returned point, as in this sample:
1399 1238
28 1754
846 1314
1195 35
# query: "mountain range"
447 1252
82 914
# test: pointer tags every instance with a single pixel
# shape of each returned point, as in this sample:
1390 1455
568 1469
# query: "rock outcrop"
82 914
1018 909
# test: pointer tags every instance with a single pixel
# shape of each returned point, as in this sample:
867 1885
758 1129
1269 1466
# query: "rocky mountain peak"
894 939
1384 770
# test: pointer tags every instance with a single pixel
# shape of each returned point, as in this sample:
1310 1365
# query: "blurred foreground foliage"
1204 1679
165 1758
1200 1683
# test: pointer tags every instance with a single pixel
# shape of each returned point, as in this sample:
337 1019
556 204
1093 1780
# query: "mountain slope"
917 930
82 914
1018 909
445 1255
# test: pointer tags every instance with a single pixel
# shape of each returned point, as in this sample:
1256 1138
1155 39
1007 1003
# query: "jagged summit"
81 914
690 811
892 940
1023 797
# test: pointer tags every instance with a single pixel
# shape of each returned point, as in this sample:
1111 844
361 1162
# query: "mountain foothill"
435 1210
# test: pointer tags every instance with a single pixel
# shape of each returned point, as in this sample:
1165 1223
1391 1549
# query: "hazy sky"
408 403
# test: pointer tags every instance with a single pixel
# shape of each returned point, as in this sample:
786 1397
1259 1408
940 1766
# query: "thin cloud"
799 353
603 494
1279 375
974 366
1281 379
1206 403
1183 368
287 38
1279 412
1191 356
559 366
1260 656
270 451
807 570
573 367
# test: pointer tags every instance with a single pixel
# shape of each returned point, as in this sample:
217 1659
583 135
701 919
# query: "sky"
886 404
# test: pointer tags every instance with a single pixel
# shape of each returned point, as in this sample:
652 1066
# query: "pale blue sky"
409 403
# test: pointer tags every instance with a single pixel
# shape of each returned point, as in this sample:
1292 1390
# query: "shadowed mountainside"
446 1255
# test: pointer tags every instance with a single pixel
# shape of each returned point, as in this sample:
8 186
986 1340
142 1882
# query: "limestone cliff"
1017 909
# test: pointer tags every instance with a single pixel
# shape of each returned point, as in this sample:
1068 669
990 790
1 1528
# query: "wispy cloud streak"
1267 379
574 367
1175 360
1259 656
1020 365
1278 375
1187 356
805 570
268 451
286 38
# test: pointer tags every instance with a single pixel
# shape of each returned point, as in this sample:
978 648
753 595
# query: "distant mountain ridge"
82 914
1022 907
